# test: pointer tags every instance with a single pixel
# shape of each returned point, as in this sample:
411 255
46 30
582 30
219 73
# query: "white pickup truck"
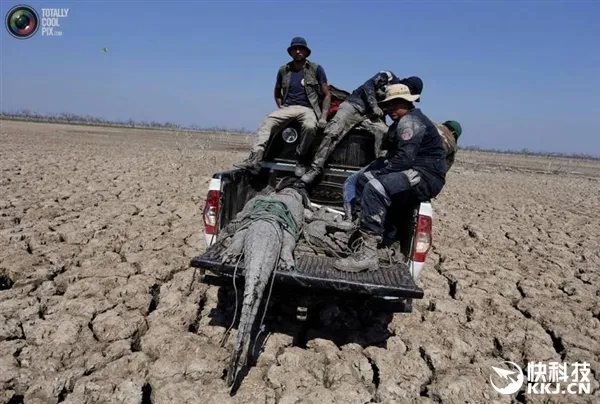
394 286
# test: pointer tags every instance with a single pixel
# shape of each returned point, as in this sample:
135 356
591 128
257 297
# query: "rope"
224 338
274 211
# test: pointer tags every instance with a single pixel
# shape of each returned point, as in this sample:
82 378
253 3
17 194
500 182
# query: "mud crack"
520 398
525 313
424 389
155 297
5 282
469 311
62 396
376 378
452 284
498 350
16 399
520 289
557 343
195 325
146 394
136 339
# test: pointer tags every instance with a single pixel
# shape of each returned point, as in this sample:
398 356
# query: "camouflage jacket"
449 143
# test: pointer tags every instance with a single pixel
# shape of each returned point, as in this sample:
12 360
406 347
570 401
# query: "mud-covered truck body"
394 284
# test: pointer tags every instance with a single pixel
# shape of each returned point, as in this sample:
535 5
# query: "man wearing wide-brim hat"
351 205
413 170
301 93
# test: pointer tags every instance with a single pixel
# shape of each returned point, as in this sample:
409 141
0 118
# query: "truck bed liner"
318 272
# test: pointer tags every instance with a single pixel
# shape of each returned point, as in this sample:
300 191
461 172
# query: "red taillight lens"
211 210
423 239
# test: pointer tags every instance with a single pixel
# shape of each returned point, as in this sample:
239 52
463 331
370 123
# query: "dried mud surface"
98 303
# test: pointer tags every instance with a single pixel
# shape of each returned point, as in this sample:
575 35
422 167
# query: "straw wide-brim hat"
396 91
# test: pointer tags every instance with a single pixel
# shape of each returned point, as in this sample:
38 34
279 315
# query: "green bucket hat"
455 127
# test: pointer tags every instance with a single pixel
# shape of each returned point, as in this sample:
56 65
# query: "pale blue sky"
516 74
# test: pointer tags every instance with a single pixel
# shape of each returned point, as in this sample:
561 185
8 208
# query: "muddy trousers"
346 118
376 193
278 119
349 187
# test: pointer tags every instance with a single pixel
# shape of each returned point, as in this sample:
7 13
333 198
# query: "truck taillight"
423 238
211 210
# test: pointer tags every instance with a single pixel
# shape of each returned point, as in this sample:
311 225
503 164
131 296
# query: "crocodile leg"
236 248
286 261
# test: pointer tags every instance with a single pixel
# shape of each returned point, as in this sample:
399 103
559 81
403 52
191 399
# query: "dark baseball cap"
414 84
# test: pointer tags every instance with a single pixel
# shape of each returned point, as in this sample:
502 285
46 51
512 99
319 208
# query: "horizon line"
90 120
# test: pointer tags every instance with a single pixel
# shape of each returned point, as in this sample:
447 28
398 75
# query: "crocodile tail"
260 259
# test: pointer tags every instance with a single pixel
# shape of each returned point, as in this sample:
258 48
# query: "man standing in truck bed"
359 106
300 87
414 170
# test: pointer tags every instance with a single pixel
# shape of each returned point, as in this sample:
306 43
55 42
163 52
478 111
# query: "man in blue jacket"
360 106
414 168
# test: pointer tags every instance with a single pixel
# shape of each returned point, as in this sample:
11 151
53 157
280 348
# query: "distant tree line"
74 119
69 118
578 156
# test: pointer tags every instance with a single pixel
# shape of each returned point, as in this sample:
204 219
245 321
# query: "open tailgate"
318 272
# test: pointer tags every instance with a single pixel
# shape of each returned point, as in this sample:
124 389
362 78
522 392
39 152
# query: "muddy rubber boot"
252 163
340 224
311 175
391 254
363 259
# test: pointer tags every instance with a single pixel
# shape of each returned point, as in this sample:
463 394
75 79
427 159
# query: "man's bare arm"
277 95
326 101
277 91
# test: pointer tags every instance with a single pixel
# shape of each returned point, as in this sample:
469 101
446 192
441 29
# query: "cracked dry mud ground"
99 304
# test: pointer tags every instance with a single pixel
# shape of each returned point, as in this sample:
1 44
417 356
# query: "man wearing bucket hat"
450 132
359 108
301 93
413 169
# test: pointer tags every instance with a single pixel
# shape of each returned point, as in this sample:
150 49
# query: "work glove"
322 123
378 112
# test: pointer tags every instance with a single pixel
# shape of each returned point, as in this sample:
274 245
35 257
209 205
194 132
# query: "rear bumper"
318 273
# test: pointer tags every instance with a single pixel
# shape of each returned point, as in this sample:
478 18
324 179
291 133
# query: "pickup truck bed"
230 190
317 272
